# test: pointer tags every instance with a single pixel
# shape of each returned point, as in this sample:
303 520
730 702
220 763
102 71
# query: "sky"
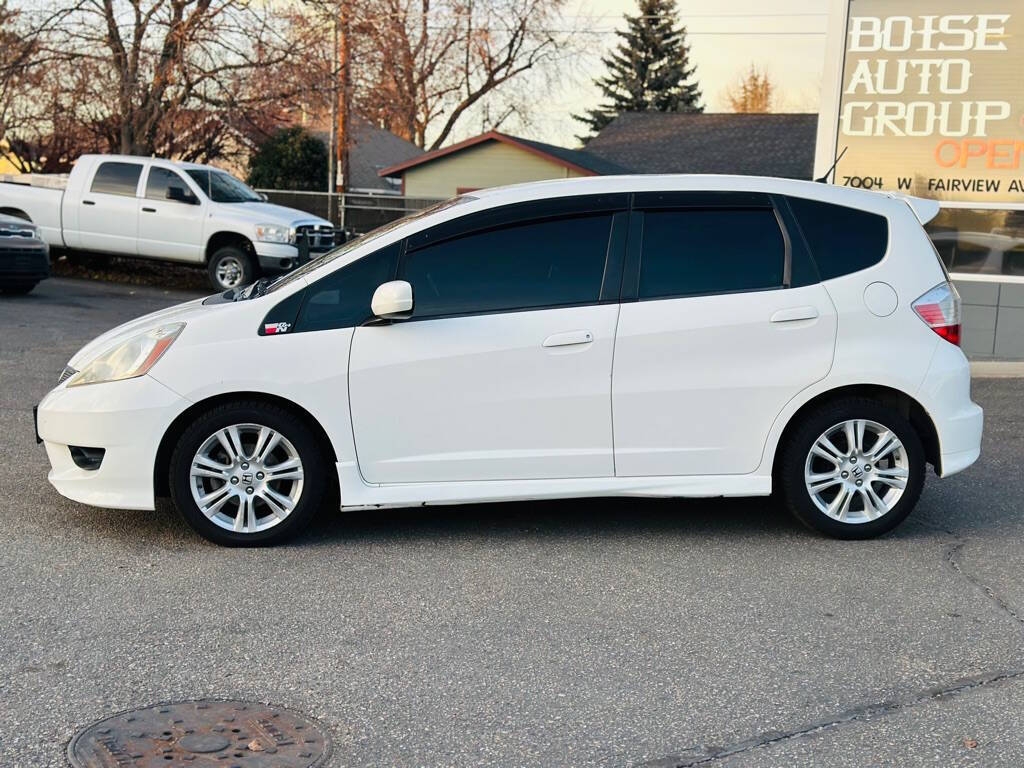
785 38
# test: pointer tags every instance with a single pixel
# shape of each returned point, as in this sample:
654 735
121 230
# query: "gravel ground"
590 633
115 269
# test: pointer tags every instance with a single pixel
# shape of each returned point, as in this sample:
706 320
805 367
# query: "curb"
997 369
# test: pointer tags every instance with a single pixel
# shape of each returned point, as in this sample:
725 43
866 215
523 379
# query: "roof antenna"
824 179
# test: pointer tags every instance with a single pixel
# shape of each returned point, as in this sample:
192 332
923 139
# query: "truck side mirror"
181 195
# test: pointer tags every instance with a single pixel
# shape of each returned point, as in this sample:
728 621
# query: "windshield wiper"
252 290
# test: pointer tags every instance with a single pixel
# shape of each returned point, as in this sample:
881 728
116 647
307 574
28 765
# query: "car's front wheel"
248 474
852 469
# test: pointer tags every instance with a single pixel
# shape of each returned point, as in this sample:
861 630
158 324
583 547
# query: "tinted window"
116 178
158 181
710 251
222 187
841 240
342 299
537 264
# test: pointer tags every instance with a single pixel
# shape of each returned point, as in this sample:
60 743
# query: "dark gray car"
24 255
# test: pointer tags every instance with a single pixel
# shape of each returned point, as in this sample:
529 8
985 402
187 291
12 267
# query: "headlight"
273 233
128 359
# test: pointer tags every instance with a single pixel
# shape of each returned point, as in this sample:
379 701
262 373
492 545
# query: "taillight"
940 309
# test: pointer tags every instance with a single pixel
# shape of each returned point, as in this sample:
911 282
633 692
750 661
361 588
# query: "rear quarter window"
841 240
116 179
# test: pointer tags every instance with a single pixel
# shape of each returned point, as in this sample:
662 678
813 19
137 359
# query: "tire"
246 478
19 289
230 267
863 516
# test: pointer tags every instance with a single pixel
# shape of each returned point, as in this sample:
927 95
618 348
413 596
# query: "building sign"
930 99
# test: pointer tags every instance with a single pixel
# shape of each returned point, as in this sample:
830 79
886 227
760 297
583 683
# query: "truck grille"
16 259
321 237
13 230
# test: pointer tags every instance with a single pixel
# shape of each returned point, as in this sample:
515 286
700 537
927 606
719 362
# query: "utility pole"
344 121
332 149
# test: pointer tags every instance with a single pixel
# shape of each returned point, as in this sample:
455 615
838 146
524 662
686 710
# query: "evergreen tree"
649 70
290 159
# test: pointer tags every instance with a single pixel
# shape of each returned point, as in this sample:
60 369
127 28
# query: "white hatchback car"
672 336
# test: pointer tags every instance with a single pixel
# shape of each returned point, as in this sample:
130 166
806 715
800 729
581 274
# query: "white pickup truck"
161 209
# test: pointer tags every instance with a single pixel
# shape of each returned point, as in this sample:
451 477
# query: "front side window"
342 298
222 187
116 179
555 262
160 179
694 252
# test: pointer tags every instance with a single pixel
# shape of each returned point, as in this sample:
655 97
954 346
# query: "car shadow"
573 518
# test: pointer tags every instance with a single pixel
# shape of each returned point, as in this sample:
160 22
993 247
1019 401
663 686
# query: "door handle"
794 313
88 202
568 338
149 210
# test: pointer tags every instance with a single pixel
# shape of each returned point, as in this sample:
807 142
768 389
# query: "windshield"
373 234
222 187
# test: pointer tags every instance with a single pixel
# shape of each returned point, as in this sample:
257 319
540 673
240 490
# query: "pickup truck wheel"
230 267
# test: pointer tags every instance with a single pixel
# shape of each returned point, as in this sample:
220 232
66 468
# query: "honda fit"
649 336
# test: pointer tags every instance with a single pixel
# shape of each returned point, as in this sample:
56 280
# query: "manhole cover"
193 734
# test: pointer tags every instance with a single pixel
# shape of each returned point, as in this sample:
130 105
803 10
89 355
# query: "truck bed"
46 180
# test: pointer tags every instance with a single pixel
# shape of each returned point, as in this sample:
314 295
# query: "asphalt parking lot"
593 633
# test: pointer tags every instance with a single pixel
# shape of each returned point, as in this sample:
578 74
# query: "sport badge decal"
269 328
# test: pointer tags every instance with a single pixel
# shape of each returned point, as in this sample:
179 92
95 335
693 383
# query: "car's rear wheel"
248 474
230 267
853 469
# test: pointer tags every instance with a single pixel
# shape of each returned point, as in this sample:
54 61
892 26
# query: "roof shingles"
780 144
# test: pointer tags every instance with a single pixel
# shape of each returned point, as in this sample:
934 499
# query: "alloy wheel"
229 272
856 471
246 478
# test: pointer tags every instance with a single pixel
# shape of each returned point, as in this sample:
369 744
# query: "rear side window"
692 252
342 298
554 262
116 179
841 239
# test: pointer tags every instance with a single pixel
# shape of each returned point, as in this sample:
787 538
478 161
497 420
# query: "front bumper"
280 257
23 262
276 257
127 419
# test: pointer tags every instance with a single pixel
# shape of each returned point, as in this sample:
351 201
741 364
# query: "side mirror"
181 195
263 197
392 301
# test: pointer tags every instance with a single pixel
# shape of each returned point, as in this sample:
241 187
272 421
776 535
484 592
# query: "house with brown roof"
489 160
779 144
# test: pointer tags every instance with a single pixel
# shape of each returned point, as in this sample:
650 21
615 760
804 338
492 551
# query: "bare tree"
161 61
754 92
426 63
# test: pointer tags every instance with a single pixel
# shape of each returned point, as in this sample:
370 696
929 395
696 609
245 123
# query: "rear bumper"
125 418
946 395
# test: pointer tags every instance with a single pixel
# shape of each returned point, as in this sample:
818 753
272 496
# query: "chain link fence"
352 212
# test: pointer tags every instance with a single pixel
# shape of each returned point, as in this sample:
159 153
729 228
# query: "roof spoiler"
924 209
